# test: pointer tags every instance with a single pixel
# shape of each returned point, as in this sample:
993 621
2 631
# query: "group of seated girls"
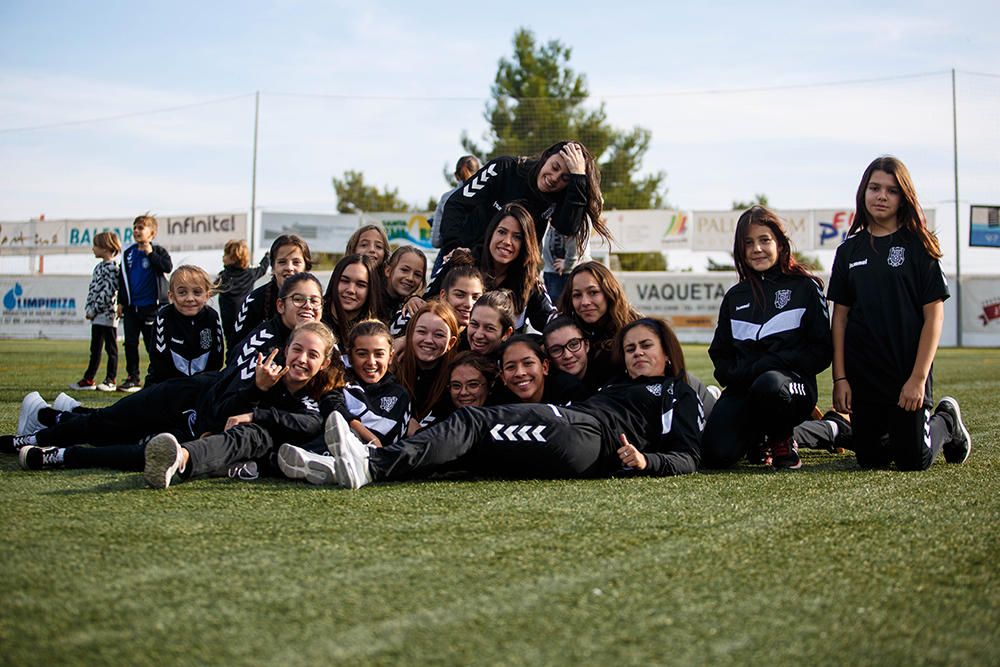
410 380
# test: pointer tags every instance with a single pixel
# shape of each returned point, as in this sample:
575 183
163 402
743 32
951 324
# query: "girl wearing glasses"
528 378
288 255
187 406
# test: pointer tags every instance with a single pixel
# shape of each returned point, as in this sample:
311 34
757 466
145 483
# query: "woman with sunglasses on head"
561 187
646 425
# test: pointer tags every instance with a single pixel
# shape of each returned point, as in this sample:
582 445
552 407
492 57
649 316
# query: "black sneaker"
844 432
130 385
957 449
12 444
244 471
39 458
760 455
786 455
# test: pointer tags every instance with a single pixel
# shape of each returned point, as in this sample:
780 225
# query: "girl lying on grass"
646 425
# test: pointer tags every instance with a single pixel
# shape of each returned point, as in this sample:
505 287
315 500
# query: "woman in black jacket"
561 187
772 339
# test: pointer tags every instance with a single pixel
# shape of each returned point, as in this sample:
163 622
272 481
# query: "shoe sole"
336 437
27 404
961 426
162 460
295 464
100 388
65 403
129 390
92 387
22 457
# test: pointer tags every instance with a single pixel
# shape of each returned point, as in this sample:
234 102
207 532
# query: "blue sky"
62 62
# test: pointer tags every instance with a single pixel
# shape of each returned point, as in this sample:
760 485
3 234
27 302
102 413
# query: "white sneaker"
27 419
107 386
714 390
65 403
163 459
297 463
350 455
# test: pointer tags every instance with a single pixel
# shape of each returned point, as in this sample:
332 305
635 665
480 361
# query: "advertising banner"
331 232
176 233
714 230
44 307
689 302
984 226
981 311
644 231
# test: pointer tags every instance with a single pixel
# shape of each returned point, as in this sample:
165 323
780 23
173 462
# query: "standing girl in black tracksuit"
187 333
235 282
647 425
289 255
562 186
773 337
186 406
888 293
285 410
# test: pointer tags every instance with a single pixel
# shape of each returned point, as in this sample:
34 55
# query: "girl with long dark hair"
888 292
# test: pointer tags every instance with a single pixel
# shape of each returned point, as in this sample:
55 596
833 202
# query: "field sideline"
828 565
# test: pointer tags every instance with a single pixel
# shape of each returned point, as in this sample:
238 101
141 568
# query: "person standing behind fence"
559 257
236 281
467 166
142 289
101 312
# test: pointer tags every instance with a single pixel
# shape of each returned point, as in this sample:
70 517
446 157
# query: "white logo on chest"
654 389
745 305
860 262
782 297
388 403
896 256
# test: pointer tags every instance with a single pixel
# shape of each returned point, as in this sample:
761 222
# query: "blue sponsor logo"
13 300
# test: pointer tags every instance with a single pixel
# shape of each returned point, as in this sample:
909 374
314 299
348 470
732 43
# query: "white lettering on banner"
175 233
689 302
714 230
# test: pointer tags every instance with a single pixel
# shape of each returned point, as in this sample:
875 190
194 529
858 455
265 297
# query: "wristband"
839 379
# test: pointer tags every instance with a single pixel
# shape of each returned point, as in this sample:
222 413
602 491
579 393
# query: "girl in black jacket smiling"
773 337
562 186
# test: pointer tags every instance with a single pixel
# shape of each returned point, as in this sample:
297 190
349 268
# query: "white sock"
834 427
60 455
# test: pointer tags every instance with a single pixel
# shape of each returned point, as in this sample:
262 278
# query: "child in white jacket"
102 299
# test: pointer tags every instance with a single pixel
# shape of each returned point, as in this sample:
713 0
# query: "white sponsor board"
644 231
689 302
176 233
44 307
981 311
331 232
714 230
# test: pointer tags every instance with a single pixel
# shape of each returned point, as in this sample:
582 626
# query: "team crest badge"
205 339
896 256
782 297
654 389
388 403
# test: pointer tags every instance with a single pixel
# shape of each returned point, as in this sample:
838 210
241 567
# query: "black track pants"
884 434
511 440
773 405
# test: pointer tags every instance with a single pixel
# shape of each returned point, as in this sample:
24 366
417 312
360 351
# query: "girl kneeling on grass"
647 425
309 374
773 337
888 293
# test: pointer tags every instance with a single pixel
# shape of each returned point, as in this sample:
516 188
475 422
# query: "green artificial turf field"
827 565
